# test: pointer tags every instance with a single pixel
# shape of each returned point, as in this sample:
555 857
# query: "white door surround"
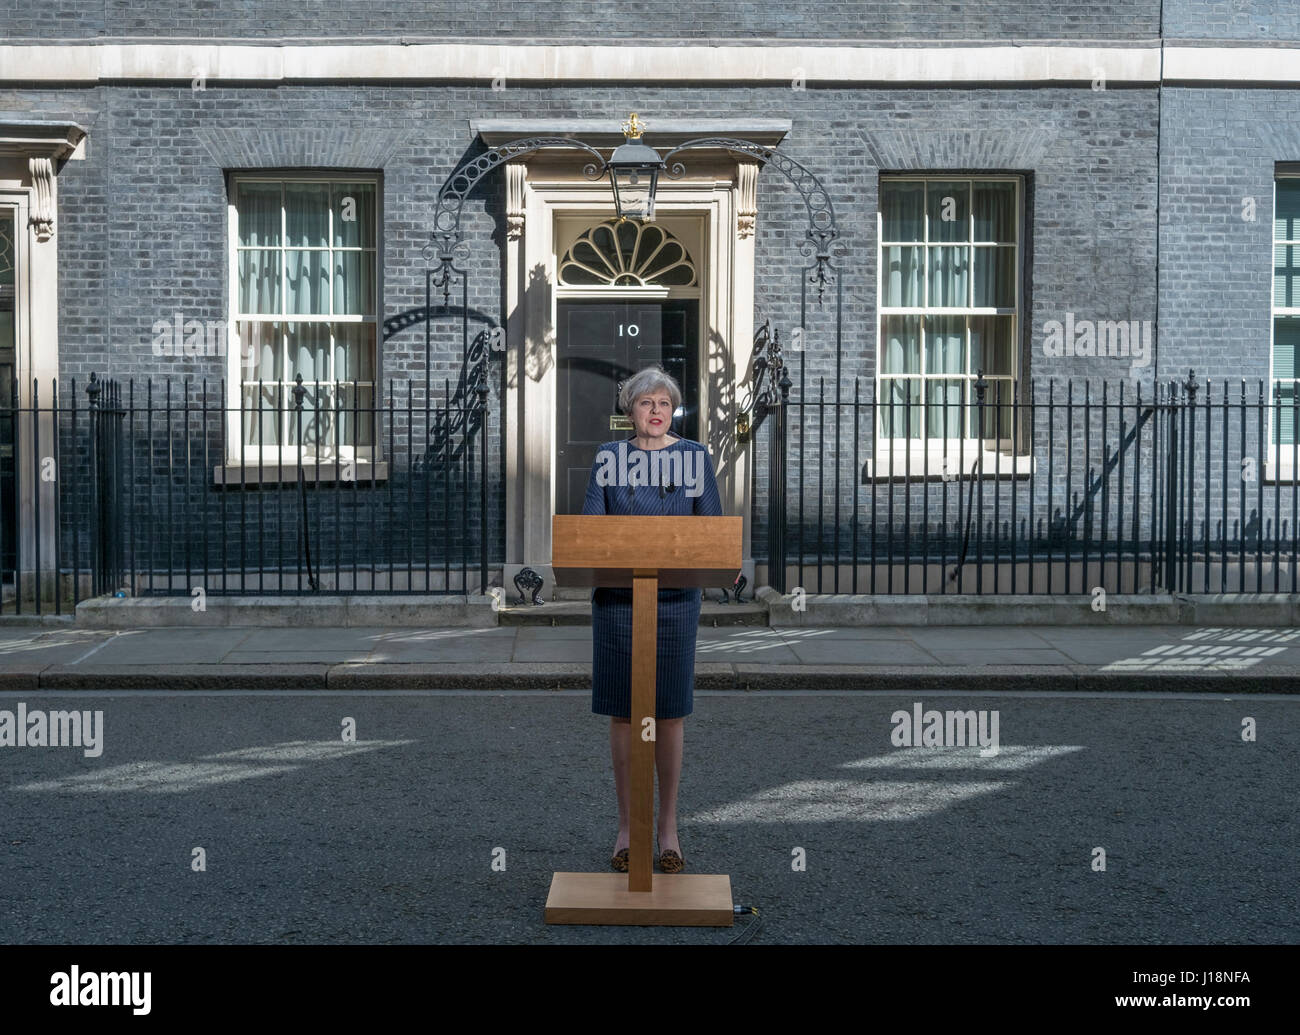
31 153
548 203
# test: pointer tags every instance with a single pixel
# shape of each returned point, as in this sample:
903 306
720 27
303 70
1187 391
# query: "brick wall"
1259 21
585 19
142 222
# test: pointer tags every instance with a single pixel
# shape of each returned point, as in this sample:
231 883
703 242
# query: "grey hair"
647 382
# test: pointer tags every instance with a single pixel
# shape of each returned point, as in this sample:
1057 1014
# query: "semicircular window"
627 254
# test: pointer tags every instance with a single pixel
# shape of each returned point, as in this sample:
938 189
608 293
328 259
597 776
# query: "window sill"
243 475
918 466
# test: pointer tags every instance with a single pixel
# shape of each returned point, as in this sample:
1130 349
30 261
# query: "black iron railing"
1054 487
1049 487
166 488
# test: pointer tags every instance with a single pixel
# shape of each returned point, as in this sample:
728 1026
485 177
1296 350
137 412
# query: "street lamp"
634 173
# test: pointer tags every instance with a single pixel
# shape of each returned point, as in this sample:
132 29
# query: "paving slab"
566 650
266 657
431 646
168 646
862 652
982 656
842 632
951 636
737 633
548 633
438 635
1101 654
1056 635
309 640
47 648
766 646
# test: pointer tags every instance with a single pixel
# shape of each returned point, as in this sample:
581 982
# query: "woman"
683 485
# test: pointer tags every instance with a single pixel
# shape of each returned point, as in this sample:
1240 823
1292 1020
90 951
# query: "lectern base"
678 900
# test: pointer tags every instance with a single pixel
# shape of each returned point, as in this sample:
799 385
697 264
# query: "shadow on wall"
455 414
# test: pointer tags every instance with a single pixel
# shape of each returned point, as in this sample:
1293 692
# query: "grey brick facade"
1245 20
588 19
143 220
1219 153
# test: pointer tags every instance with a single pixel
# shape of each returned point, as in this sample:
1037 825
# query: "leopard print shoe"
671 862
619 860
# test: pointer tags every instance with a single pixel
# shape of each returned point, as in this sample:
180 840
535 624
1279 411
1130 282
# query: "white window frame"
1280 462
924 456
271 460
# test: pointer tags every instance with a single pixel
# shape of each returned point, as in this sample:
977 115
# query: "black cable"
749 932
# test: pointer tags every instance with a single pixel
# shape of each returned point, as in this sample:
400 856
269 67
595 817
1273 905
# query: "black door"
599 345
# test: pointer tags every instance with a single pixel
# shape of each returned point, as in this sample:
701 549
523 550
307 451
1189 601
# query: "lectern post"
643 553
641 757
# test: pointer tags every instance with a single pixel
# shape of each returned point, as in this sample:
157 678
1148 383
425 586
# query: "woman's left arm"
594 501
708 502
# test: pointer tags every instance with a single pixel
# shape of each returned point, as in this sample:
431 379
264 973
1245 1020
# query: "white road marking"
828 801
97 647
209 770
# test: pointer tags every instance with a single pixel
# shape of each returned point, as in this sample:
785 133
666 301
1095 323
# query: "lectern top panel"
604 549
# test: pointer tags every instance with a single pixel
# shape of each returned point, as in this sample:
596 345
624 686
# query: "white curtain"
903 276
306 249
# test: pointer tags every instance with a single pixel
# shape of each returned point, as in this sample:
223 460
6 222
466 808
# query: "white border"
693 62
1147 62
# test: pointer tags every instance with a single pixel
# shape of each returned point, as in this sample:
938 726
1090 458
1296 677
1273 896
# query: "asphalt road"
310 839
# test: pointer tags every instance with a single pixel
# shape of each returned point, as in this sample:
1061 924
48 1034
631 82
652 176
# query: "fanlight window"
627 254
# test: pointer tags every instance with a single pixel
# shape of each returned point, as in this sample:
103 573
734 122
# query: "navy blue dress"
679 609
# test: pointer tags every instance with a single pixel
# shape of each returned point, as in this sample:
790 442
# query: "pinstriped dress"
679 609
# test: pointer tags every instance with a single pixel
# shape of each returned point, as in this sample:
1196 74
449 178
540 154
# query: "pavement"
741 657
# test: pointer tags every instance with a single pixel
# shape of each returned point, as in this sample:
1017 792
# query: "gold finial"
633 128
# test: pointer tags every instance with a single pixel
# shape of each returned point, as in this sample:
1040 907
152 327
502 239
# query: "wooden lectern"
644 554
